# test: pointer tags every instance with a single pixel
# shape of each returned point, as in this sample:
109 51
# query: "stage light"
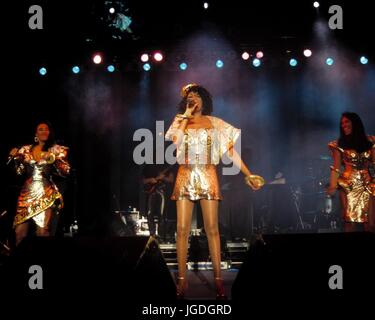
97 59
183 66
316 4
205 5
293 62
329 61
111 68
158 56
256 62
112 10
363 60
144 57
307 53
245 55
76 69
146 67
219 64
259 55
42 71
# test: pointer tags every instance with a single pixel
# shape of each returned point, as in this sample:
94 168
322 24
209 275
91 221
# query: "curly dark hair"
51 138
358 139
207 105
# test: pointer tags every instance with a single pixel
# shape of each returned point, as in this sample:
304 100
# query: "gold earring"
36 139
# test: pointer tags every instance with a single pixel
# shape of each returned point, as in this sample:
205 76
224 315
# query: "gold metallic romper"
356 183
198 154
39 191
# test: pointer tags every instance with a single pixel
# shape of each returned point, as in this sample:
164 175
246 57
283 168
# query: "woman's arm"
17 156
255 182
179 133
177 130
335 172
61 162
235 157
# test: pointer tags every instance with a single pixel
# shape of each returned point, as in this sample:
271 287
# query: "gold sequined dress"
198 155
39 192
355 182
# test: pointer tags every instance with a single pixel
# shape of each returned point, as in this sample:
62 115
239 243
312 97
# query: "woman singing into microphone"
201 141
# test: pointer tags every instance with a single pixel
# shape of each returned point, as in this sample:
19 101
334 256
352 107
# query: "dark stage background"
287 115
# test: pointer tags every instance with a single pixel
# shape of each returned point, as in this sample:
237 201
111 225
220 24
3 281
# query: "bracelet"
182 116
335 169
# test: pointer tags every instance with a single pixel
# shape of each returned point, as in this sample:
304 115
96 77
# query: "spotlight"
42 71
146 67
329 61
183 66
259 55
76 69
293 62
112 10
158 56
316 4
307 53
144 57
256 62
97 59
363 60
111 68
219 63
205 5
245 56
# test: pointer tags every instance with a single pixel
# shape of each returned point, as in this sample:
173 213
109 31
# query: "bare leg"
44 231
347 226
211 226
371 215
21 232
184 212
350 227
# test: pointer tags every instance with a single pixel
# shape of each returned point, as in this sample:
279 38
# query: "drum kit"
134 222
315 208
301 204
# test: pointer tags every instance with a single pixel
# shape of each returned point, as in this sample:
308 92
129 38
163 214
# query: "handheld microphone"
10 158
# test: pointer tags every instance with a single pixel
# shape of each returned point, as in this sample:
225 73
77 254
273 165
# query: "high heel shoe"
181 287
220 293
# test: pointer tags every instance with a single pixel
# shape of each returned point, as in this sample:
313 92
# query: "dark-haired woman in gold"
355 151
40 198
201 141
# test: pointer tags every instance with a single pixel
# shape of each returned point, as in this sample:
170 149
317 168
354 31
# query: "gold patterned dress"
355 182
39 192
198 155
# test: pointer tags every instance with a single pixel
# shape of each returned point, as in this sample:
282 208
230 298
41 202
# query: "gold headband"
186 89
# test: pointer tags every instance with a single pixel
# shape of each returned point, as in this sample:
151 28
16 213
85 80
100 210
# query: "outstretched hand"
255 182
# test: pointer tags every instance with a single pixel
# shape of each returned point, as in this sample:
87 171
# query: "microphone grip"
190 103
10 158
